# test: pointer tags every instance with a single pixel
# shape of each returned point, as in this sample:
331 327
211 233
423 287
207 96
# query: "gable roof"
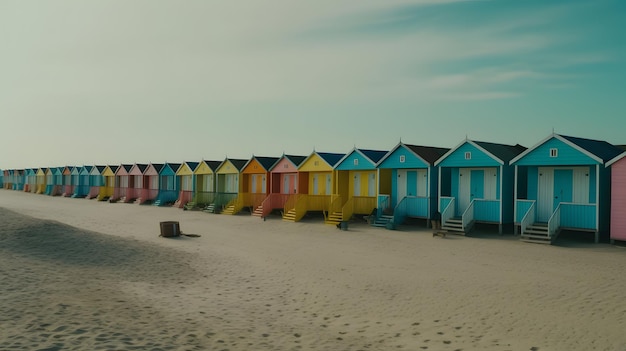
265 162
598 150
238 163
602 149
213 164
504 152
430 154
192 165
331 158
296 160
373 155
101 168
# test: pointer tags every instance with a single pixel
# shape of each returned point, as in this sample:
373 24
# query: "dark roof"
127 167
428 153
114 168
192 165
88 168
213 164
266 162
142 166
504 152
601 149
331 158
174 166
623 147
238 163
296 160
101 168
374 155
157 166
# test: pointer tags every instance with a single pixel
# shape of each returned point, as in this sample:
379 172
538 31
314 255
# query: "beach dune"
78 274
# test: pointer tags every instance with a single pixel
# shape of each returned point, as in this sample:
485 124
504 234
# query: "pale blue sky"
109 82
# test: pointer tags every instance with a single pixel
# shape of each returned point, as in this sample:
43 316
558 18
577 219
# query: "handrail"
448 212
336 203
301 206
468 215
528 219
554 222
291 202
383 204
347 210
399 212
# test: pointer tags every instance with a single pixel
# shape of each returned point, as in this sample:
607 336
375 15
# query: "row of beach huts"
561 183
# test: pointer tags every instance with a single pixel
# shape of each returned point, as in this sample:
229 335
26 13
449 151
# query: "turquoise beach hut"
563 184
168 186
414 184
476 185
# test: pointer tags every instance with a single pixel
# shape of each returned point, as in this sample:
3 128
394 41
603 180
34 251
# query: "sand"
78 274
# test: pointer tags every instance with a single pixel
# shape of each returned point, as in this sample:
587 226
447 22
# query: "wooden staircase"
334 218
454 226
382 221
290 216
258 212
190 206
537 233
230 210
210 208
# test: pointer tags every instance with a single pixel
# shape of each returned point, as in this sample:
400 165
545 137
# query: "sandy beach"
78 274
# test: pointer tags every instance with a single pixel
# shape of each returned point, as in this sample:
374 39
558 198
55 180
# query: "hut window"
468 155
554 152
356 161
316 163
402 158
286 166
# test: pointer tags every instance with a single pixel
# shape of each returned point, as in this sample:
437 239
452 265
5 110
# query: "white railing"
528 219
448 212
468 215
554 222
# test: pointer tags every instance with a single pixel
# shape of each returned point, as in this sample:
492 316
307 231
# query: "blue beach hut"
562 183
168 186
476 185
414 184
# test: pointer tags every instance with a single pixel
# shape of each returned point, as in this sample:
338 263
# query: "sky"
117 81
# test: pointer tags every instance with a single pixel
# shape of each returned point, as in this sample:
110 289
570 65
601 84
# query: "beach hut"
49 180
96 181
7 181
151 183
68 185
186 184
139 184
81 188
19 178
57 182
476 185
41 180
204 180
228 184
107 190
30 185
168 186
285 182
256 184
123 181
357 185
414 185
315 196
562 183
618 197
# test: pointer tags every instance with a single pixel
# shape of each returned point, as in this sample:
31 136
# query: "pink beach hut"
618 198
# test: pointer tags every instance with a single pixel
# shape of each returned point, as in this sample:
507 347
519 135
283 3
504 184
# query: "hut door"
316 186
545 194
288 184
491 184
464 190
356 190
328 184
371 184
581 185
477 181
422 183
411 183
402 185
563 185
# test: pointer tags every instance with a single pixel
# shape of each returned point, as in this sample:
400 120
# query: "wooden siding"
487 211
227 168
578 216
315 164
566 155
355 161
393 160
522 207
618 200
318 183
478 158
184 170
